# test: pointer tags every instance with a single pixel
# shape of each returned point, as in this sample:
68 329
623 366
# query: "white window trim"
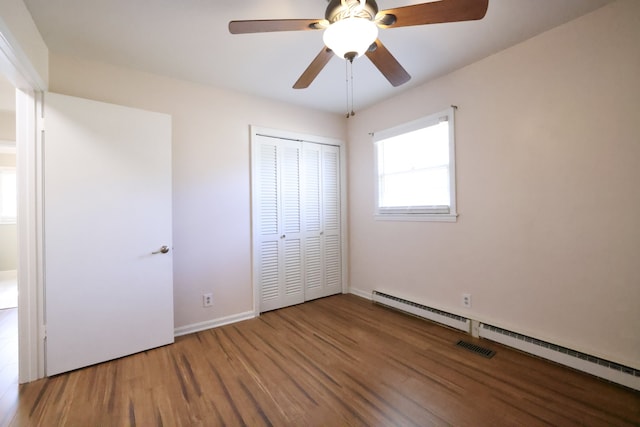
397 215
431 217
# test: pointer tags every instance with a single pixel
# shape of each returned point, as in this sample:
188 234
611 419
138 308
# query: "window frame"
418 213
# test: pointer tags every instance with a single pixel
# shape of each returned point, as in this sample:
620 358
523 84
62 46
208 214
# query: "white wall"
211 173
7 126
8 232
548 155
8 247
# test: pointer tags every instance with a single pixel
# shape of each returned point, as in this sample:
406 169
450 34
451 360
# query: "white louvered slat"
312 189
293 269
268 187
331 188
313 263
269 271
333 264
291 189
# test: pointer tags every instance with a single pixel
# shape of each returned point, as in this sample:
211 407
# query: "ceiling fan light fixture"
350 35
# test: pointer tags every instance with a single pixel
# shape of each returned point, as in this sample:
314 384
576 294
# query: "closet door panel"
331 214
292 291
312 186
268 257
279 255
323 264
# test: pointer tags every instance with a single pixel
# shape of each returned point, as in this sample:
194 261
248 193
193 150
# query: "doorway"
8 244
26 71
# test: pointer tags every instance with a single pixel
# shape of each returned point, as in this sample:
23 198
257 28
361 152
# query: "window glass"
415 169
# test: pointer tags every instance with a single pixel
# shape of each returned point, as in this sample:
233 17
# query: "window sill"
452 217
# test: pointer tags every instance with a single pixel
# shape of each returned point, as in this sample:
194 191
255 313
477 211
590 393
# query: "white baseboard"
209 324
363 294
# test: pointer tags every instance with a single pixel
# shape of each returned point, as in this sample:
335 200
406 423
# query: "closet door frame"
257 131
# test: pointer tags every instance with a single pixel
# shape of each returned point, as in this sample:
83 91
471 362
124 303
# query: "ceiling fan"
351 30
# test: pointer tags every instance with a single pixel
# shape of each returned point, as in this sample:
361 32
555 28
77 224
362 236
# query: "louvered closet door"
321 215
278 241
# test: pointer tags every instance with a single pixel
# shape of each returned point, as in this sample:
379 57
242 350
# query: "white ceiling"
189 39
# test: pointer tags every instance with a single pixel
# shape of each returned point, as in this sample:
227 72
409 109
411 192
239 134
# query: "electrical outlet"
207 300
466 300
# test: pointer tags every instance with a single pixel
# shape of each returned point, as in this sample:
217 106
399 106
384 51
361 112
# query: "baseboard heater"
439 316
602 368
611 371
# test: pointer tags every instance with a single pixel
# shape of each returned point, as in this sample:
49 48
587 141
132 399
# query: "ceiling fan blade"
387 64
314 69
433 13
269 25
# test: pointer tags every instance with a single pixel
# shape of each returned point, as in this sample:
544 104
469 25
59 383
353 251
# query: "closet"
297 218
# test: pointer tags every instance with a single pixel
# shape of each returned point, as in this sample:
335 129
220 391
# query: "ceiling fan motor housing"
341 9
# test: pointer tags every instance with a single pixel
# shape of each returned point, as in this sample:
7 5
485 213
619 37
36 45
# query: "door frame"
17 68
301 137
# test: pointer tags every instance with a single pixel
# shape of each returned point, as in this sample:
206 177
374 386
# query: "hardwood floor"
338 361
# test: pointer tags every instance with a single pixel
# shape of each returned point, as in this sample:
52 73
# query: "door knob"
163 250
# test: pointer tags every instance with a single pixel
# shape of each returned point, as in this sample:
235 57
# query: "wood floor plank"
336 361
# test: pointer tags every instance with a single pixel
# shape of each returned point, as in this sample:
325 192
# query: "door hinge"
43 332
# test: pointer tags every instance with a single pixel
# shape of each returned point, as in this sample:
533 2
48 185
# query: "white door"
277 226
107 187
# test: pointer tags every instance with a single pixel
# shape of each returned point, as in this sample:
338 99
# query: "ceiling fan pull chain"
352 99
346 78
348 71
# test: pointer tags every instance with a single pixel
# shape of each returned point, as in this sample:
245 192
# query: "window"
416 170
8 197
